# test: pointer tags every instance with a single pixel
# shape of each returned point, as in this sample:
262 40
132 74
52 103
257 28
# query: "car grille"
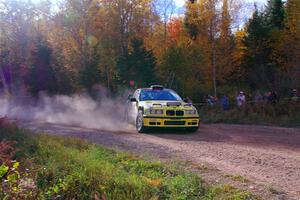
170 112
173 113
179 113
174 122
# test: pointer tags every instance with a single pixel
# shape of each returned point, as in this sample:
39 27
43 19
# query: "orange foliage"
7 151
175 29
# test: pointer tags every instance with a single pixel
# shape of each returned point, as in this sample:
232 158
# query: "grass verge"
50 167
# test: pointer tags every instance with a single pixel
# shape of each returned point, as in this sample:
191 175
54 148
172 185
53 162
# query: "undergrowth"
281 114
50 167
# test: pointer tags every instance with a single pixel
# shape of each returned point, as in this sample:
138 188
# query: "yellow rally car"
160 107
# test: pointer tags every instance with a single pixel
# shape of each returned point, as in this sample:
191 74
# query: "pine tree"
41 76
257 51
138 64
274 16
275 13
90 75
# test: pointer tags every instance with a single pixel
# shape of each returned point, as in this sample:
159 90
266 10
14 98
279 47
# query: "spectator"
225 102
215 99
295 95
240 99
210 100
272 97
258 98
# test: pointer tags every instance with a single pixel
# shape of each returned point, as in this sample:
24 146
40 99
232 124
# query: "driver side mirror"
129 96
133 99
187 100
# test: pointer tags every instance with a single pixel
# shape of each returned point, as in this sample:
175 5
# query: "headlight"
154 112
191 112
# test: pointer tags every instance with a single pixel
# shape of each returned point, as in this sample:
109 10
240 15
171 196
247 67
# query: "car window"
163 95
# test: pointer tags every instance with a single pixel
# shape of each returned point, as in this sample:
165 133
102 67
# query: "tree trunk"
214 69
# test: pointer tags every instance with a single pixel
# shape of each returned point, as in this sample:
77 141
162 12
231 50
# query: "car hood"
166 104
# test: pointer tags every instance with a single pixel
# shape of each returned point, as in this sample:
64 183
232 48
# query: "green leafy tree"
275 13
138 64
180 70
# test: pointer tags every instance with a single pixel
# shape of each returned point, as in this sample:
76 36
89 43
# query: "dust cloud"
76 110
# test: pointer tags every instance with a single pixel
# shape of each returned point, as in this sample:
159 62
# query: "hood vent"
173 104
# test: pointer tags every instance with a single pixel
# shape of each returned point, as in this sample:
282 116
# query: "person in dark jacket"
225 102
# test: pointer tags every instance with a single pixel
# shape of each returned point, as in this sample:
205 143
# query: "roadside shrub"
15 182
72 173
284 113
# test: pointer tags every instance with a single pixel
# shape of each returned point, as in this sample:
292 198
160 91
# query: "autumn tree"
192 19
225 45
165 9
84 43
290 44
203 24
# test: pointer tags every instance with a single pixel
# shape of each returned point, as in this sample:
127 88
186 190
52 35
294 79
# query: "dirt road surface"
260 159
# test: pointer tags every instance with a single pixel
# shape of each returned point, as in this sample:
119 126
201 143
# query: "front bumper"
171 121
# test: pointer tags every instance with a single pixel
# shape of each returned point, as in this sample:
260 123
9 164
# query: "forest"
84 45
67 66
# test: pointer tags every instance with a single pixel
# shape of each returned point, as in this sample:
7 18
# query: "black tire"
139 124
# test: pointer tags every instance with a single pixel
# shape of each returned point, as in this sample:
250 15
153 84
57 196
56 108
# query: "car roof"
150 89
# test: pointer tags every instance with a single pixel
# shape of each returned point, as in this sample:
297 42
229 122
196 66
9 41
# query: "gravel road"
263 160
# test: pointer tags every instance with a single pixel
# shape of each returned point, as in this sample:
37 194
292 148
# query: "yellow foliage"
153 182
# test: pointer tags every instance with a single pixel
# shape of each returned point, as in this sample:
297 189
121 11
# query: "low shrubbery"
49 167
281 113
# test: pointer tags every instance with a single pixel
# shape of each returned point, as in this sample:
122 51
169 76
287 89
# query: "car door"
132 109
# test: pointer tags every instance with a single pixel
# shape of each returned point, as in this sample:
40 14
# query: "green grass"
227 192
238 178
69 168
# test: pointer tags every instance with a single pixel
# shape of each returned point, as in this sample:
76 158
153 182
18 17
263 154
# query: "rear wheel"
140 123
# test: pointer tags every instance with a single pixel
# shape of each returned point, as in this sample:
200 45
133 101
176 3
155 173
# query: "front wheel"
140 123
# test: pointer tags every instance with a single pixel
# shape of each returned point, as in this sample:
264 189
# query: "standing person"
295 95
210 100
241 99
215 99
225 102
258 98
272 97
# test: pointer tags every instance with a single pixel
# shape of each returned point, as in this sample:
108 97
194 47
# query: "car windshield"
162 95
